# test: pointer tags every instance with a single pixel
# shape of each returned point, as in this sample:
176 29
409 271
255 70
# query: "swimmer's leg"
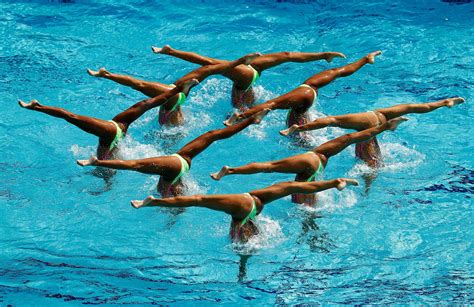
154 166
221 68
291 165
187 56
285 101
195 147
134 112
403 109
270 60
150 89
282 189
337 145
98 127
356 121
233 204
324 78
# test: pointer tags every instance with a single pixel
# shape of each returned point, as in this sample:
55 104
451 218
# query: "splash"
270 235
395 157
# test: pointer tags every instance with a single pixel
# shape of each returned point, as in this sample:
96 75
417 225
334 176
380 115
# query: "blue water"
68 238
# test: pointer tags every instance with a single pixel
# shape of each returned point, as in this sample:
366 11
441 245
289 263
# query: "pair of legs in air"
170 168
244 207
170 112
300 99
369 151
243 76
109 131
306 165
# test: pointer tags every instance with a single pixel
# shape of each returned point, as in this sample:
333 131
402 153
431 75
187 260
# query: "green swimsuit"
184 168
252 213
318 174
118 136
255 78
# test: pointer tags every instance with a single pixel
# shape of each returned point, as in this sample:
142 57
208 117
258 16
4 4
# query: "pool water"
68 237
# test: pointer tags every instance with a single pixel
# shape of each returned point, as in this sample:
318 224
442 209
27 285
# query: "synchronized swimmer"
309 166
299 100
244 76
243 72
369 151
244 207
172 168
170 112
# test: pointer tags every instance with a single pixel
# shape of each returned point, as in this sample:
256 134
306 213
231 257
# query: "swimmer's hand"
291 130
344 182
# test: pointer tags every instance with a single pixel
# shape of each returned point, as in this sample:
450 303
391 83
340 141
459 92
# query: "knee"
139 85
288 54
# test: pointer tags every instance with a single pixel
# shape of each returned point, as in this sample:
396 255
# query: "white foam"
82 152
131 149
211 91
269 236
395 157
333 200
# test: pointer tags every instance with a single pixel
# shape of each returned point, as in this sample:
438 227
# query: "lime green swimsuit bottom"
252 213
318 174
255 78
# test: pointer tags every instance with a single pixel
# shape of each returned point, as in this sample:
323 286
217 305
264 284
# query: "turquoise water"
69 238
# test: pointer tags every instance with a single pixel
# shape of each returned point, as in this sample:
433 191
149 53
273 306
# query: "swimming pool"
67 237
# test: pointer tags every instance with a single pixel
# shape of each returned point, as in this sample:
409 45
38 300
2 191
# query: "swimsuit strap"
184 168
255 77
252 213
119 135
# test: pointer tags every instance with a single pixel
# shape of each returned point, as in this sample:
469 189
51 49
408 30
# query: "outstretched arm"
283 189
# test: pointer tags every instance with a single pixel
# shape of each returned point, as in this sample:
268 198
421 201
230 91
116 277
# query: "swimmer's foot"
99 73
231 120
217 176
451 102
393 123
250 57
92 161
331 55
163 50
290 130
344 182
257 118
30 105
371 56
187 85
137 204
